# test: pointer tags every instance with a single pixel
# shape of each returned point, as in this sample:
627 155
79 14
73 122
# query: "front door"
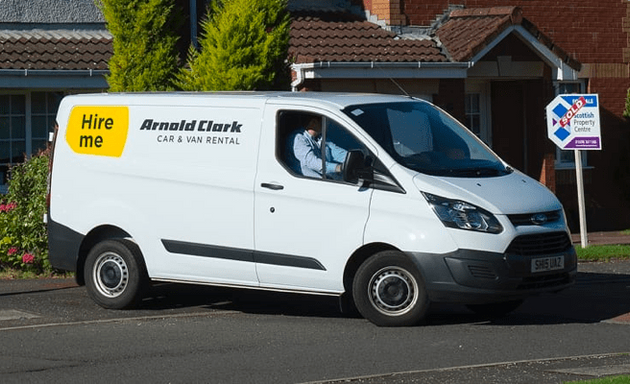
307 222
508 123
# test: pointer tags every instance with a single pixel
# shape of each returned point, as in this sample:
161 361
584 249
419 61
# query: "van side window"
312 145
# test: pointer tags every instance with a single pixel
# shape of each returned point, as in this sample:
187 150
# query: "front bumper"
476 277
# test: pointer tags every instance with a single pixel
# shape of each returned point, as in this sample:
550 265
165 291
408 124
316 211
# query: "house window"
43 113
473 113
12 133
25 121
566 159
478 111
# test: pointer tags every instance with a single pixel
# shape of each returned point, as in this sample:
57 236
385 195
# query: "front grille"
540 244
529 218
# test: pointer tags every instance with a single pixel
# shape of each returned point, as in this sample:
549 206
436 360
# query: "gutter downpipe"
299 74
300 69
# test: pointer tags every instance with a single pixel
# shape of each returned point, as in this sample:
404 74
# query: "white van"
204 189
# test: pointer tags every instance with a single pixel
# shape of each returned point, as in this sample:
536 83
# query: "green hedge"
243 45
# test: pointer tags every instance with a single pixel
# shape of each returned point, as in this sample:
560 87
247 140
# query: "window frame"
282 135
49 114
480 89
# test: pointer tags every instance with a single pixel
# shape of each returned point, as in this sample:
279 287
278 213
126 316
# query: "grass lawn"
606 380
603 252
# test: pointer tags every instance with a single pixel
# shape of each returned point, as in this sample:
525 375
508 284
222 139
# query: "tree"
243 47
145 55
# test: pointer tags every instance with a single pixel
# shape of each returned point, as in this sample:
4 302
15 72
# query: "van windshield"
427 140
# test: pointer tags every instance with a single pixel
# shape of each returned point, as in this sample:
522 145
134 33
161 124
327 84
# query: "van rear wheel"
389 290
114 274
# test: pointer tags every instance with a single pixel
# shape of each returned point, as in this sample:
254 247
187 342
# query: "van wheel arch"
346 301
389 290
95 236
115 275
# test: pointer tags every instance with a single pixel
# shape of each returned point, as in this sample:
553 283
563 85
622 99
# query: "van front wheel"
114 277
389 291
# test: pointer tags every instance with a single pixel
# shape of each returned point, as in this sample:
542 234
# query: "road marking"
12 314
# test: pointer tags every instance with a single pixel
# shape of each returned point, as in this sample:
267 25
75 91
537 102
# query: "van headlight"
462 215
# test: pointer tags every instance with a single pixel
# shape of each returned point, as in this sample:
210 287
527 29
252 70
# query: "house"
48 48
494 67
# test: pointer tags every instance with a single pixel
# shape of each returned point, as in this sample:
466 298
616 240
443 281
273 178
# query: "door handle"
274 187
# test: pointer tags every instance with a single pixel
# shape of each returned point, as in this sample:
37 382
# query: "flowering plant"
23 237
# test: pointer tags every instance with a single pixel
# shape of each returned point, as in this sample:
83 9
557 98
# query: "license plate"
547 264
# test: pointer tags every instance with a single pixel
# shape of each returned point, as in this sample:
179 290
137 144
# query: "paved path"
603 238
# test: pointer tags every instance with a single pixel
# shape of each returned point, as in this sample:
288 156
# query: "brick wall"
423 13
388 11
595 33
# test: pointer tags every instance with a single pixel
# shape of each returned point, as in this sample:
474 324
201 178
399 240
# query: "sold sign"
573 122
566 119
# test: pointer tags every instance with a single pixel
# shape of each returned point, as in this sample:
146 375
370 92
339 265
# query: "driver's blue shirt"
306 159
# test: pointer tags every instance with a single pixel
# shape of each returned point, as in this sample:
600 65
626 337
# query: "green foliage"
243 47
626 111
624 379
23 237
603 252
145 54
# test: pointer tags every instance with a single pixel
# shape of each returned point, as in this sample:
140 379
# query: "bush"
145 44
23 237
243 47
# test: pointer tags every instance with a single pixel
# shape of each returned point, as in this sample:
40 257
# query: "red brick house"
495 68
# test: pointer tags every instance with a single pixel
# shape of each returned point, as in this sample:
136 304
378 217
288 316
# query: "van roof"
339 100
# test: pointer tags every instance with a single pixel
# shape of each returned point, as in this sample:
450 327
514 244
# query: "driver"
305 145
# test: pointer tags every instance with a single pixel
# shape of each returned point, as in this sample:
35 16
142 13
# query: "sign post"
573 123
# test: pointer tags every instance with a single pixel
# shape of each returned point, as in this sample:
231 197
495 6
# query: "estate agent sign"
573 122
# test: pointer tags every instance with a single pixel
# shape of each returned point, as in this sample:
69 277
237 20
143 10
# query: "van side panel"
185 174
417 227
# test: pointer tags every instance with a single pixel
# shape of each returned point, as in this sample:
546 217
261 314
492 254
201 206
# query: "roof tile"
342 37
468 31
314 37
55 50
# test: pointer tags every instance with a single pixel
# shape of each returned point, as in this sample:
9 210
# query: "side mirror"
354 167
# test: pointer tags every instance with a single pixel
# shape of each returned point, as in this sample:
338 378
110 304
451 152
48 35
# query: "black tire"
388 290
115 276
495 310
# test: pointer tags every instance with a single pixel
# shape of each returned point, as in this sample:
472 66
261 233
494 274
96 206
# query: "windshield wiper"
479 172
